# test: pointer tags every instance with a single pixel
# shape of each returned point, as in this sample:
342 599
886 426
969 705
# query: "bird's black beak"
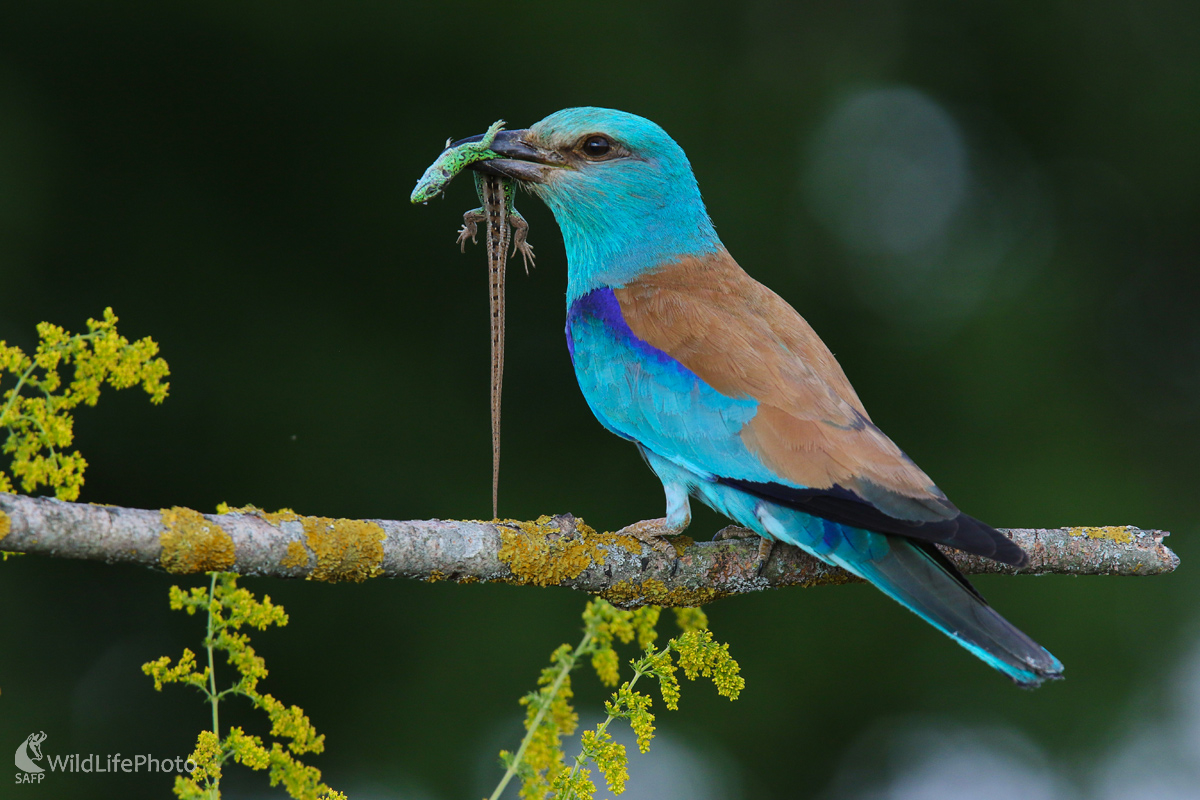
520 160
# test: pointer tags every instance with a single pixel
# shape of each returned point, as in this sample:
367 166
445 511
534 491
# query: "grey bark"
551 551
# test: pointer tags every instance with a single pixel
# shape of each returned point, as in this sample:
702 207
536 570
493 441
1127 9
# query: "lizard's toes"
463 235
526 251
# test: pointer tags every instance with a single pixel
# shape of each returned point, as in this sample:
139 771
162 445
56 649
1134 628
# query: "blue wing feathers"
962 532
923 585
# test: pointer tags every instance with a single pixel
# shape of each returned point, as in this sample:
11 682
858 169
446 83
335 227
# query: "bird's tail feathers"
930 586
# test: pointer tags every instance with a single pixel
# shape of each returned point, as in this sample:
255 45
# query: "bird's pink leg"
652 531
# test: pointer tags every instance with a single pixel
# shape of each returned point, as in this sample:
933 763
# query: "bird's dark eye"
596 146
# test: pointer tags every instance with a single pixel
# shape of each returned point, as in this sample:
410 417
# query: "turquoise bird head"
621 189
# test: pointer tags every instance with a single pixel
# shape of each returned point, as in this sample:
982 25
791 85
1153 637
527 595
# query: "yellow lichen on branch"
543 554
346 549
296 556
192 543
654 592
5 525
1117 533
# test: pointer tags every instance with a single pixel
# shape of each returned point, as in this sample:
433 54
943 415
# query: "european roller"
728 393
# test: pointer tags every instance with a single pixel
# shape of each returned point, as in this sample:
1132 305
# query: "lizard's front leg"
520 229
470 227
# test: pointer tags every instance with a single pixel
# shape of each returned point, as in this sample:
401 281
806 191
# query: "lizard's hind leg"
520 230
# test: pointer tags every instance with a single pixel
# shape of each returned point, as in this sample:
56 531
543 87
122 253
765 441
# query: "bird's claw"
765 548
651 532
733 532
765 545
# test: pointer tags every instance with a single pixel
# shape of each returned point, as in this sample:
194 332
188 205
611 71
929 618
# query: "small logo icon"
32 744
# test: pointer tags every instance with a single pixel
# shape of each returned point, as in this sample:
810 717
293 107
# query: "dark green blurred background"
989 211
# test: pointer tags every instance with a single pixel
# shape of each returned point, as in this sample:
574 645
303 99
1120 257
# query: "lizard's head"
619 186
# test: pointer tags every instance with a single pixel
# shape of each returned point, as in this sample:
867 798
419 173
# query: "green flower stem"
545 706
213 697
582 758
12 398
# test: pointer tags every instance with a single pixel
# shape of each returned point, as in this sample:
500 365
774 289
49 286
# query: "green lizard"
447 166
503 221
453 160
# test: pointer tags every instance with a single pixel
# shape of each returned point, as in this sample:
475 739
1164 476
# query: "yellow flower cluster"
229 608
662 666
208 757
39 424
610 757
540 761
607 624
184 672
634 707
699 656
576 784
645 625
691 619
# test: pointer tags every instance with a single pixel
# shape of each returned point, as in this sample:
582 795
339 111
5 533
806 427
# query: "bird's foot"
733 532
765 546
651 532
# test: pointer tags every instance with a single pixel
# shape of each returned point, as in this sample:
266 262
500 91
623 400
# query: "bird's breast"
637 390
596 328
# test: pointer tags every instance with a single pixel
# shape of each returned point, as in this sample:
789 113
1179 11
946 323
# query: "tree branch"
551 551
